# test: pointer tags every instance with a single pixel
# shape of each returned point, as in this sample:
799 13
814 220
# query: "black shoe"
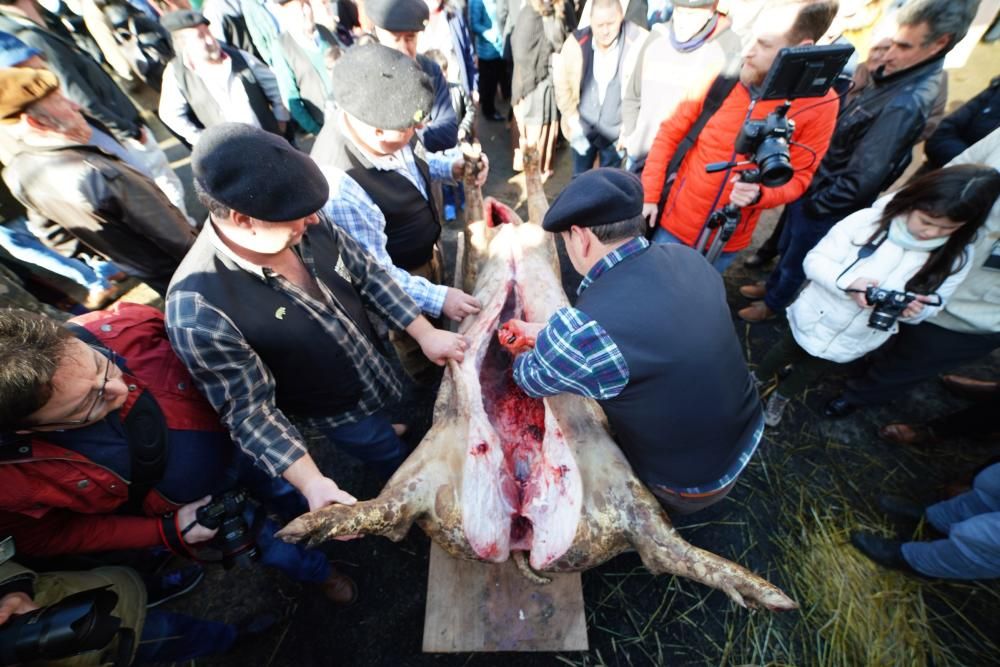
162 588
901 507
839 408
496 117
887 553
252 626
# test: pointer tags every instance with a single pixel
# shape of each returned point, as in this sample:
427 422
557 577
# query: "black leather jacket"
873 141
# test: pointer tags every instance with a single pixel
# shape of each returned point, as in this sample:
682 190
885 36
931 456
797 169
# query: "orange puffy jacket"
695 194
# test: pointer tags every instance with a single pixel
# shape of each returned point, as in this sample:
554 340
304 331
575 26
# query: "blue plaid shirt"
573 353
353 210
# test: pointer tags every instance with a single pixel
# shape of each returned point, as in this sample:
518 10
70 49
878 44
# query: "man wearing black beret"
667 367
396 25
380 181
268 312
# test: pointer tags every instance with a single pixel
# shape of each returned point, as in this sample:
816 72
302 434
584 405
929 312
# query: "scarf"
697 39
901 236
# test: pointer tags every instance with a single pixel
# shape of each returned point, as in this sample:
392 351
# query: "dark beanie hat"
596 197
181 19
382 87
398 15
258 173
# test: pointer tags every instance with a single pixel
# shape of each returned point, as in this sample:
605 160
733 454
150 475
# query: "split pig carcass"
503 475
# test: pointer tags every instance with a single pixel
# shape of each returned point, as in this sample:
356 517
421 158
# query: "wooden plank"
481 607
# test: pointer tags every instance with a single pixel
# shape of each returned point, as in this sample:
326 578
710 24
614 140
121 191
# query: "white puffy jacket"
825 320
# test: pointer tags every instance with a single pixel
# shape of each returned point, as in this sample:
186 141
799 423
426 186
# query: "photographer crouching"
679 195
895 262
107 445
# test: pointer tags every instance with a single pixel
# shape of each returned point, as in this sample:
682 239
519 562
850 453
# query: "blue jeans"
972 523
721 263
18 240
800 235
609 157
278 496
169 637
373 441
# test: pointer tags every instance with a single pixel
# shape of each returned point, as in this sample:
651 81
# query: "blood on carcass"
519 421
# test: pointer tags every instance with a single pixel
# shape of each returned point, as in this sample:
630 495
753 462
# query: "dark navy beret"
382 87
595 197
258 173
398 15
181 19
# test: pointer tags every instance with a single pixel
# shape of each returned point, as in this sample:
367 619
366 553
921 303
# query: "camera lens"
774 163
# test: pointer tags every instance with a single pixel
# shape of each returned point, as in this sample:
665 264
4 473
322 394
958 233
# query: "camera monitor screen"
805 71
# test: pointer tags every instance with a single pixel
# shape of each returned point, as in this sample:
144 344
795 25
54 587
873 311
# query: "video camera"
800 71
76 624
888 306
235 539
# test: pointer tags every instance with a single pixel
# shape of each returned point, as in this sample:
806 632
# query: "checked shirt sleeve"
352 210
377 287
573 354
439 164
234 380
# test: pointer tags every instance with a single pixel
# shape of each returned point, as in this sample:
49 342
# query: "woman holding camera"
897 261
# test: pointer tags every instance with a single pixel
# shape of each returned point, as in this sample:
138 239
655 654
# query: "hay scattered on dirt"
862 614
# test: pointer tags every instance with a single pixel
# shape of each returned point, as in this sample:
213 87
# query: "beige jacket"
567 71
50 587
975 305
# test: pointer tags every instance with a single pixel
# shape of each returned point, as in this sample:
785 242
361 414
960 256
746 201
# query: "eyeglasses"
112 361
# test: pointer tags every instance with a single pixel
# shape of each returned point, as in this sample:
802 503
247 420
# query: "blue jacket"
441 133
462 41
487 30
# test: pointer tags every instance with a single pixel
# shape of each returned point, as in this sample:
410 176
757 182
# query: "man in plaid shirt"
268 312
651 339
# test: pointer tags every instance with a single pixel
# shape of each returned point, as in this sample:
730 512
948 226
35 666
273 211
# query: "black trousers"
913 355
491 74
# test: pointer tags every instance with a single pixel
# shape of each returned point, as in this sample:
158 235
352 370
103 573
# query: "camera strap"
717 94
147 434
864 252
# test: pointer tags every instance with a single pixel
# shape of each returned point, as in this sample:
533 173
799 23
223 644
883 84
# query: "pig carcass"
503 475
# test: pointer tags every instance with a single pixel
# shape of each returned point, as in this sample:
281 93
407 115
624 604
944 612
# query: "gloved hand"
517 336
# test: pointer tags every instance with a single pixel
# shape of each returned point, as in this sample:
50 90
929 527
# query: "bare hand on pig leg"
437 345
458 305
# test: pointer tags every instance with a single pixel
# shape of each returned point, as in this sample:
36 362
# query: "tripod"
725 220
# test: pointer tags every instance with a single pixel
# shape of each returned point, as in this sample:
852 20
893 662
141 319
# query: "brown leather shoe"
907 434
755 291
967 387
339 588
756 312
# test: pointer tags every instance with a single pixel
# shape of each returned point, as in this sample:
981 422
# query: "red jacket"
694 191
58 501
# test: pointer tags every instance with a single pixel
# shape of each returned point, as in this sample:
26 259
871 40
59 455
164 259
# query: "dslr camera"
888 305
235 539
800 71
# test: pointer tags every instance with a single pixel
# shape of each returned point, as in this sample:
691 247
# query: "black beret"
398 15
181 19
382 87
258 173
596 197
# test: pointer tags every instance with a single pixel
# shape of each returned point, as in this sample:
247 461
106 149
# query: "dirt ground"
808 472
